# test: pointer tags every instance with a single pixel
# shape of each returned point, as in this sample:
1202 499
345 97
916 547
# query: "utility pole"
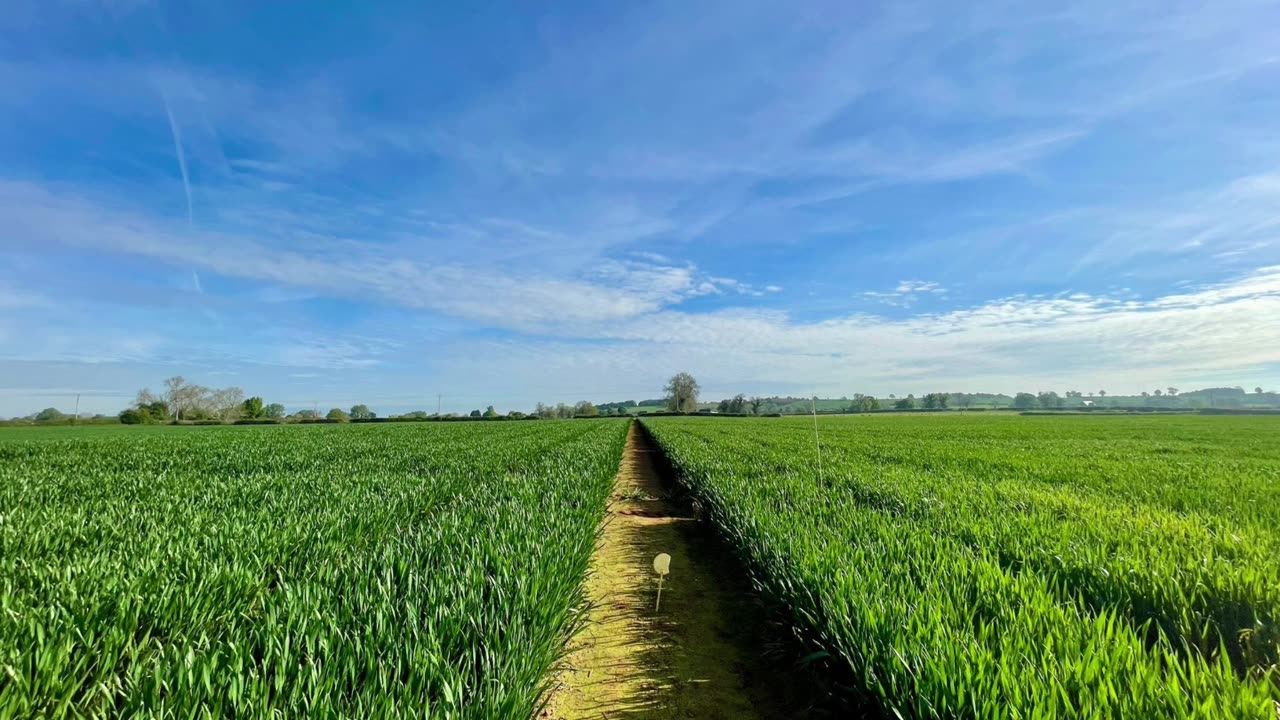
437 404
75 418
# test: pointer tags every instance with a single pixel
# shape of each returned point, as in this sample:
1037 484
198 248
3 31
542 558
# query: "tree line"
182 401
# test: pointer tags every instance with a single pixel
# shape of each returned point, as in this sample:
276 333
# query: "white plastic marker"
662 566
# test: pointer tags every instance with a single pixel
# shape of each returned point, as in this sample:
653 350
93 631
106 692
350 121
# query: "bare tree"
227 403
145 397
682 393
173 390
183 397
755 404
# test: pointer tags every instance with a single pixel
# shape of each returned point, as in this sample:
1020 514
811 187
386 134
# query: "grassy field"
316 571
942 565
1004 566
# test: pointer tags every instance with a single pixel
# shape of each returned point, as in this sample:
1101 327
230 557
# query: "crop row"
1024 567
379 571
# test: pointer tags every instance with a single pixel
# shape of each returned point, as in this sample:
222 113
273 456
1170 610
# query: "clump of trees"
863 403
936 401
54 416
50 415
147 410
613 408
580 409
559 411
1050 400
738 405
183 401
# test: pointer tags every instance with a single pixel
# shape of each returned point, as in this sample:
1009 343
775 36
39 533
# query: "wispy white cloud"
1011 344
1239 216
328 353
906 293
610 290
906 287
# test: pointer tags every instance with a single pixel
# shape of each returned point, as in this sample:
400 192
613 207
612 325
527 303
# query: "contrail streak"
182 158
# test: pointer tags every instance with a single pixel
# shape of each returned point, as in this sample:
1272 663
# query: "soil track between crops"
701 655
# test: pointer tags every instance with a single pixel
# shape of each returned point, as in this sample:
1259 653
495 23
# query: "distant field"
309 571
1006 566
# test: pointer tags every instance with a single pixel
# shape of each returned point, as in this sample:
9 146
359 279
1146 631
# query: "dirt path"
695 658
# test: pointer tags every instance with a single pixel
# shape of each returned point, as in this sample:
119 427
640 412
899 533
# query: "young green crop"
326 571
1013 567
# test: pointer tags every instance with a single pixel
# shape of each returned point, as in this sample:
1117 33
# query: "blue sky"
506 203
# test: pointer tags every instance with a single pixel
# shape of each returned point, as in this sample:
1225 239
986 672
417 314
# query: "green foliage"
252 408
380 571
906 403
1025 401
150 412
362 412
49 415
336 414
274 411
1007 566
613 408
489 412
1049 400
936 401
